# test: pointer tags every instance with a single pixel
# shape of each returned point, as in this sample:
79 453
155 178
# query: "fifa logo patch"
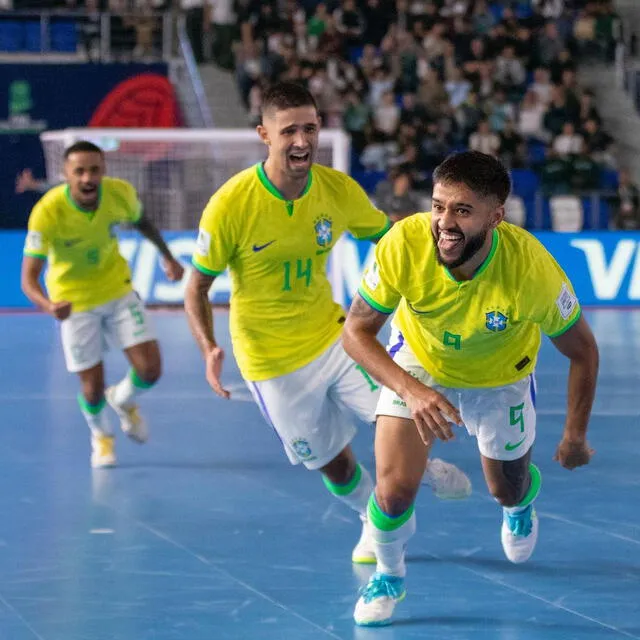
324 232
496 321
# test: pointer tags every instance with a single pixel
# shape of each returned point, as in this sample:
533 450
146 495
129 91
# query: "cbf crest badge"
302 448
496 321
324 232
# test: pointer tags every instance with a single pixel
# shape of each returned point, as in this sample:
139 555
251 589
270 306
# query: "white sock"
96 417
354 494
390 537
131 386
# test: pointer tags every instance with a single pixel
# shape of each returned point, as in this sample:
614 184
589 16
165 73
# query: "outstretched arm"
431 411
172 267
579 345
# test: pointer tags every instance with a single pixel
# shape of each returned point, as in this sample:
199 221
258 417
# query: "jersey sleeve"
553 303
131 212
379 282
38 238
365 221
216 239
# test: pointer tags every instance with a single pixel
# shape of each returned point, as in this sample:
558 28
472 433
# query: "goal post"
175 171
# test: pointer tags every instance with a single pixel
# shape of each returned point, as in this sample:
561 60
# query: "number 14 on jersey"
294 271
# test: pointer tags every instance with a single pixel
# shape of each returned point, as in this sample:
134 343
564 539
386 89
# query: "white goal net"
176 171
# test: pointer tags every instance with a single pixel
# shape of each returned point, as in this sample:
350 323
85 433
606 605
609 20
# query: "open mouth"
448 241
299 158
88 189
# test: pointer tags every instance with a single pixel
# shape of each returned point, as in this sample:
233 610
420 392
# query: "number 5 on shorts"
136 314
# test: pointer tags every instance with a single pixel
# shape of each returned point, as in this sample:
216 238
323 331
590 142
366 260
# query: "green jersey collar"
75 205
272 189
495 238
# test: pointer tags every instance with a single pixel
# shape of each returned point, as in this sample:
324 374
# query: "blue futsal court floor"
207 532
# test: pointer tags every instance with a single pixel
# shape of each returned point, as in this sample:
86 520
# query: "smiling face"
462 223
83 171
292 138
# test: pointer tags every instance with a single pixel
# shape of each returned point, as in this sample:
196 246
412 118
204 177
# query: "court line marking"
522 591
20 617
178 545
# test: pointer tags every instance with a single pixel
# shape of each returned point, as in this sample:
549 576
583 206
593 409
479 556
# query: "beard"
471 246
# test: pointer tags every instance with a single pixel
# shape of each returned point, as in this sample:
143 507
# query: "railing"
99 37
186 79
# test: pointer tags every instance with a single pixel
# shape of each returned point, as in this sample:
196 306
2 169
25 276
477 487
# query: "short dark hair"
287 95
482 173
82 146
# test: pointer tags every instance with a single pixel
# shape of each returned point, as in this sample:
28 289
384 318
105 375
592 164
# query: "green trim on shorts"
381 520
93 409
138 381
344 489
534 488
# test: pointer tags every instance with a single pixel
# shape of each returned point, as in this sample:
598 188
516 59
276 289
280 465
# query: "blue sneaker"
378 600
519 534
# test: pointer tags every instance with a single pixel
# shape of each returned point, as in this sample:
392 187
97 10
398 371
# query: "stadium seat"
11 35
64 37
525 182
515 211
567 213
32 36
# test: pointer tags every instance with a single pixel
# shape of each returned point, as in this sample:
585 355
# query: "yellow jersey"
483 332
85 266
282 311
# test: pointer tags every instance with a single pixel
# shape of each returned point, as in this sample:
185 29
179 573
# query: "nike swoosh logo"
70 243
511 447
260 247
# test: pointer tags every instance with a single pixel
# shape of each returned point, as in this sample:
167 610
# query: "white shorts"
503 419
86 335
312 409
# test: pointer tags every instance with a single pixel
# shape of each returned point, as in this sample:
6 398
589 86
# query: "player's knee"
92 393
151 369
505 494
395 500
341 469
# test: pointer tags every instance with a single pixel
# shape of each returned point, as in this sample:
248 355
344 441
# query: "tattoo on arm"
365 316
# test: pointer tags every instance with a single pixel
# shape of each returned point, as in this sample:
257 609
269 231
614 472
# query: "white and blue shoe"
519 534
447 481
378 600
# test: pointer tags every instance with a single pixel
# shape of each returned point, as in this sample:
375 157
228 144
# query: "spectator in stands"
349 22
485 140
555 174
588 110
510 71
401 200
549 44
599 142
223 20
585 172
569 142
530 116
559 112
386 116
542 86
512 151
626 204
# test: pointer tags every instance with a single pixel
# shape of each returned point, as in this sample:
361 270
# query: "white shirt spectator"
565 145
488 143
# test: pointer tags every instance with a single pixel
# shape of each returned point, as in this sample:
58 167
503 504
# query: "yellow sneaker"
131 422
102 452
